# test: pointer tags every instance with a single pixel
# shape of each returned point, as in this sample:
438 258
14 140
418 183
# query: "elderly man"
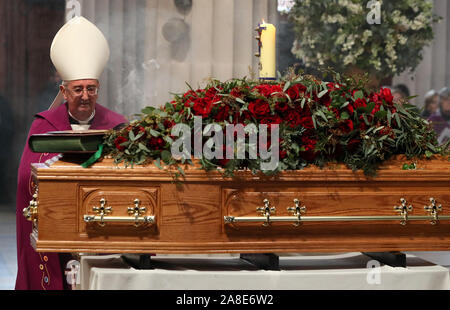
441 120
79 53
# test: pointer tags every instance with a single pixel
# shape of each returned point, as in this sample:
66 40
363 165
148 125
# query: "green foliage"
335 122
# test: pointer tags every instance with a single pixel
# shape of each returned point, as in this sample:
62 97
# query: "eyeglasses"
78 91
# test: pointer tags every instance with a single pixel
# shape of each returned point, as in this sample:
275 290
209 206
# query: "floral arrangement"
341 34
319 122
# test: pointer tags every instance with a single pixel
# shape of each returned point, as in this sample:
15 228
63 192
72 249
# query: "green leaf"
389 117
370 107
169 107
168 139
365 120
131 135
302 104
148 110
321 114
154 133
322 93
345 104
381 114
181 171
286 86
143 147
138 136
166 156
157 163
358 95
295 147
378 129
240 100
314 121
411 97
345 115
397 118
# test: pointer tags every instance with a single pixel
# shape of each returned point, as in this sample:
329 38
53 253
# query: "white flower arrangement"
336 33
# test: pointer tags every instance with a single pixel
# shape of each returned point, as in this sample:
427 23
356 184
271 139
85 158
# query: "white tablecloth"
298 272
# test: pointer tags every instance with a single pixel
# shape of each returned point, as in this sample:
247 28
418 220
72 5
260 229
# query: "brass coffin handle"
433 210
266 211
297 211
404 215
31 212
102 215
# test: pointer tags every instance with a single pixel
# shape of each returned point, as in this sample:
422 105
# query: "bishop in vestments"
79 52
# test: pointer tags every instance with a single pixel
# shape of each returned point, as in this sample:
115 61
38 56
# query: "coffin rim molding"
390 170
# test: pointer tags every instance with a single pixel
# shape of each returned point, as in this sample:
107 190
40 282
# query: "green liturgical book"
68 141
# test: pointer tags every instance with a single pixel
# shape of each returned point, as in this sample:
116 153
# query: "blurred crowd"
436 108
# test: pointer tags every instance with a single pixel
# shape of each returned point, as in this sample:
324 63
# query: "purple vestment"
37 271
441 127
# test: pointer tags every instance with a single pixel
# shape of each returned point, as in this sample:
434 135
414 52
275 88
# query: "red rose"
283 154
333 86
259 108
223 113
293 118
281 106
271 119
308 144
118 141
267 90
350 108
241 118
346 126
362 123
375 98
294 91
156 143
325 100
189 94
211 94
168 123
376 108
385 93
360 103
236 92
307 122
202 107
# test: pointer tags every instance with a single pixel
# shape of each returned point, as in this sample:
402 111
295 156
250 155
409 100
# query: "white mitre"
79 51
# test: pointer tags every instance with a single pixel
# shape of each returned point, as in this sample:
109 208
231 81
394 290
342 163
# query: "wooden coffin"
110 209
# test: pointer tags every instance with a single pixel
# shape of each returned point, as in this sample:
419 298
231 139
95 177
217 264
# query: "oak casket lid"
436 168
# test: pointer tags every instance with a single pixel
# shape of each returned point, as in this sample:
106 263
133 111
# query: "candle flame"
262 21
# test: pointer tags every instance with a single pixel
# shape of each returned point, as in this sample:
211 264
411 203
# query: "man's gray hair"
444 93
